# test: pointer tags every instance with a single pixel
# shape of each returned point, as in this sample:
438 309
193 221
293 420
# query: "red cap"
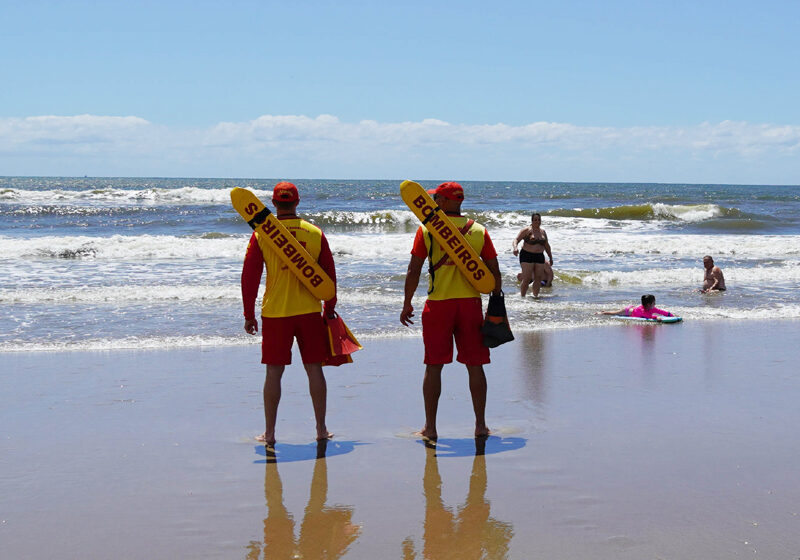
450 190
285 192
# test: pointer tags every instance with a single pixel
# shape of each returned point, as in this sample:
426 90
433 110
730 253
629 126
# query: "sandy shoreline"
629 441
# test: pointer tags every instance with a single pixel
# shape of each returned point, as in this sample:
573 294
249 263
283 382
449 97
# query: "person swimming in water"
647 310
531 258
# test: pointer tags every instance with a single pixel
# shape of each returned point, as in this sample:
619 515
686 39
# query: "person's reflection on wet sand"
465 532
325 532
532 358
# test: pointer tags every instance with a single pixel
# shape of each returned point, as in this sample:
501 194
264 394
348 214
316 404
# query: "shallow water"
130 263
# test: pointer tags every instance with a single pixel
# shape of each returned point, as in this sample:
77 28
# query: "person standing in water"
531 257
713 279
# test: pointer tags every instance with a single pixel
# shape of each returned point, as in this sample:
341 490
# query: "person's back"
647 310
453 310
447 281
289 311
285 295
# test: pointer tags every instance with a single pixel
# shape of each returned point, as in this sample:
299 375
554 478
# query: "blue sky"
538 91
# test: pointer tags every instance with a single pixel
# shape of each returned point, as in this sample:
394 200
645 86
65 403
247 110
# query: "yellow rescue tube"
448 236
273 236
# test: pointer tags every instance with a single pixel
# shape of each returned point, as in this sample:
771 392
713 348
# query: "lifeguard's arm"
252 270
412 281
326 263
489 258
494 268
522 233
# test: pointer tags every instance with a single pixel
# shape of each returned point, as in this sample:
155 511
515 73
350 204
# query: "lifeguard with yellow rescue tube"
448 237
462 263
273 236
300 273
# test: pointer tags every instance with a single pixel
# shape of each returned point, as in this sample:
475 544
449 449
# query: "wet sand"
618 442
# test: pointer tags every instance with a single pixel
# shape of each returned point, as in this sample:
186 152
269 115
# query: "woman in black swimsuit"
531 258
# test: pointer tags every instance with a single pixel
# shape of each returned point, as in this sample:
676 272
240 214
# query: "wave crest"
655 211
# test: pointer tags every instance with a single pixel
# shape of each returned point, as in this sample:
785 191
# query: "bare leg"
431 390
525 278
538 274
318 389
272 397
477 388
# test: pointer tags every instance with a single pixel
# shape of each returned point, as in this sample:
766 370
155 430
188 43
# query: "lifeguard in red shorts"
453 309
289 311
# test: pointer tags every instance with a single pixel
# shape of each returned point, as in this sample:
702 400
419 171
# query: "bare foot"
325 435
482 432
427 434
269 442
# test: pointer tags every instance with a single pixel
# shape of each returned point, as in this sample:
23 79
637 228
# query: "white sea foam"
577 244
183 195
594 260
785 274
172 342
122 247
179 293
687 213
377 217
130 343
361 247
124 294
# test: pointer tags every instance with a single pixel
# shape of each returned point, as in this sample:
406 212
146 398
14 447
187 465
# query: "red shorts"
278 333
454 318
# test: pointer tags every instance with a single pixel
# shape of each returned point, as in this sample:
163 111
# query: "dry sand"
622 442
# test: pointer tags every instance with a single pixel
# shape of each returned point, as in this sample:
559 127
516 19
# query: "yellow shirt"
447 281
285 295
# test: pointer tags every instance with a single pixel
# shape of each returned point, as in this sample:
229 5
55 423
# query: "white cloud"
80 129
324 146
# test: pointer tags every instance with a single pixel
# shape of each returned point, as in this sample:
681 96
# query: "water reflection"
325 531
533 353
647 333
644 338
464 532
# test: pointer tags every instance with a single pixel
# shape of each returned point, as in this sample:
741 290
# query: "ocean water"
102 263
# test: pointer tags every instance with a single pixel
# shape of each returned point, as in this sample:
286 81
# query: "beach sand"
619 442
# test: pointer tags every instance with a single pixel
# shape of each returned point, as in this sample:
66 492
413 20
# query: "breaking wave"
656 211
